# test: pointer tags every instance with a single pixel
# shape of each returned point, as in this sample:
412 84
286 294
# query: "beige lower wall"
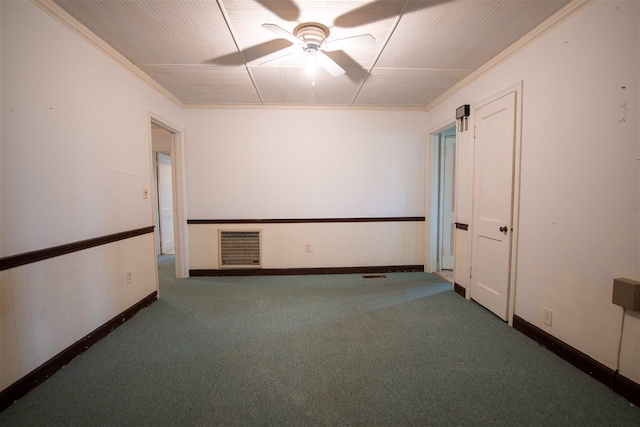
48 305
332 244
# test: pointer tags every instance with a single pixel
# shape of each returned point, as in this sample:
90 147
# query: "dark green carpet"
317 350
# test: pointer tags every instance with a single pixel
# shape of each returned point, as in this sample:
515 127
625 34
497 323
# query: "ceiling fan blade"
369 13
282 33
329 64
355 41
286 9
280 56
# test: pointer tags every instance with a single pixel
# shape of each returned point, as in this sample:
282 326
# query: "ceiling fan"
310 42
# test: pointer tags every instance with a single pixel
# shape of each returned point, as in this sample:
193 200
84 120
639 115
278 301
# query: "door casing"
433 193
447 200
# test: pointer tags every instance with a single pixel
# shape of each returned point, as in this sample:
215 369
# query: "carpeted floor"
317 350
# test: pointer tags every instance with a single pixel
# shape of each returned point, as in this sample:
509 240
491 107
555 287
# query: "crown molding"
298 107
62 16
562 15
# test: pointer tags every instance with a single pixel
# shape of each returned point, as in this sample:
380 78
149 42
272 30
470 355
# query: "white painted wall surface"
304 164
579 202
75 143
75 156
248 164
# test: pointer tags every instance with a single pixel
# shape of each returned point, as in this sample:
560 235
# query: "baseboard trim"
622 385
628 389
460 290
30 381
13 261
306 271
577 358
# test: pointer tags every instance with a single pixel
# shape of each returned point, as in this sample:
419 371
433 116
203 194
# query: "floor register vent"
240 248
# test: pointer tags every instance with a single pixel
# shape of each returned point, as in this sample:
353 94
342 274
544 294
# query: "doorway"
168 193
165 243
443 201
163 185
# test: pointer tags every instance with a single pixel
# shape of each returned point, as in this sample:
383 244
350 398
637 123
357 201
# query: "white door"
493 163
448 202
165 203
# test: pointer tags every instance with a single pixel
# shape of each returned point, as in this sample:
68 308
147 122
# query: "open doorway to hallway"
168 192
163 206
444 147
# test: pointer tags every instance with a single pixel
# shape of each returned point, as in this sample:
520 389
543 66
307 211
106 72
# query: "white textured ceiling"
209 52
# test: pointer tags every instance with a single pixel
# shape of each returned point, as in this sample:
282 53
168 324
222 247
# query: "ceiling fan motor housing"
312 33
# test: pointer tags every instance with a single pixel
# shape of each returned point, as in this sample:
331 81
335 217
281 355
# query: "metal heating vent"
239 248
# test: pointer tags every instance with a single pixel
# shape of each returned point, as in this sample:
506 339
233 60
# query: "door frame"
178 179
441 199
433 187
515 212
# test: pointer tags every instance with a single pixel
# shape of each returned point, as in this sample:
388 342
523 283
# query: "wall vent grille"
240 248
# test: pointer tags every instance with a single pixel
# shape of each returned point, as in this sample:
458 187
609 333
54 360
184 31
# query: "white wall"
75 157
579 182
249 164
74 133
297 164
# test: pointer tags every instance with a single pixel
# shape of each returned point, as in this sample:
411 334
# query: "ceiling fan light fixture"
311 37
310 63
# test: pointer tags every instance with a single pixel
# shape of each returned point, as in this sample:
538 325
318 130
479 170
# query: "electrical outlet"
308 248
145 193
547 316
129 278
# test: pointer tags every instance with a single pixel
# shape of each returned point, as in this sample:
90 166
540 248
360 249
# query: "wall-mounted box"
626 293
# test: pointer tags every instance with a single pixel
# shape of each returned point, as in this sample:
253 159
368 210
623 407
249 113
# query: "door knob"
504 229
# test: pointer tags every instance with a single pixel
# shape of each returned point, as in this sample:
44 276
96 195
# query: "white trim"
515 214
444 126
90 37
515 225
427 204
178 178
543 28
297 107
431 199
